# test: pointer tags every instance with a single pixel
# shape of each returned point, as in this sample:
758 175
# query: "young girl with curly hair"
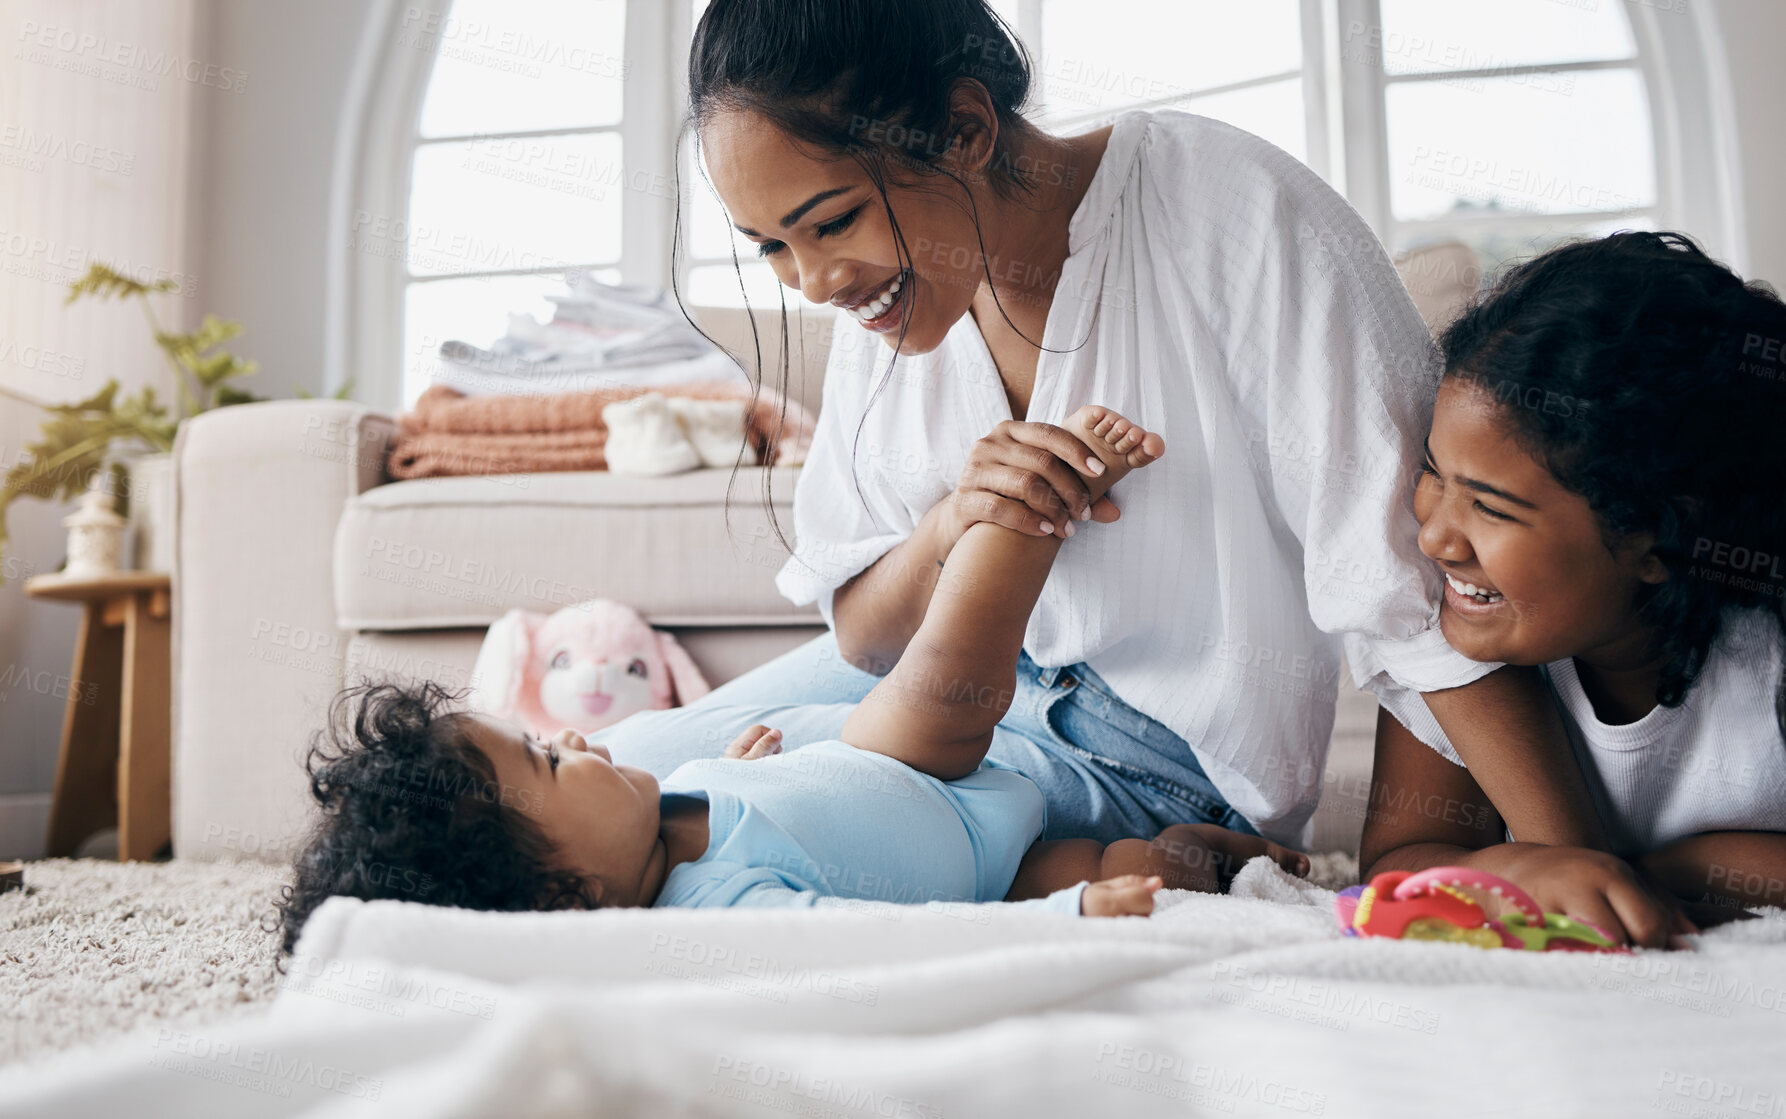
1605 494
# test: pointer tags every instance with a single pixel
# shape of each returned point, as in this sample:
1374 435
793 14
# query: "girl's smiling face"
1545 585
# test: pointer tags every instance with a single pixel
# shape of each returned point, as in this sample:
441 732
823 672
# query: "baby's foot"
1290 862
1120 445
1208 856
1239 849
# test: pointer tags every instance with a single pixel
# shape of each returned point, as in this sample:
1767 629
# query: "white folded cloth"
645 439
716 428
600 336
477 372
622 305
653 434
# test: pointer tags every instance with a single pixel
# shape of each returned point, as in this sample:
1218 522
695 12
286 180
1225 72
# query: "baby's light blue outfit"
1107 771
831 821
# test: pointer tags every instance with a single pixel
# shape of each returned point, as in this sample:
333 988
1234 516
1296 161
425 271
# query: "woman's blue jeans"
1108 772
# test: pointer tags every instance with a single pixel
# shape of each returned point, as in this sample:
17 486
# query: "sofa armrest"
259 489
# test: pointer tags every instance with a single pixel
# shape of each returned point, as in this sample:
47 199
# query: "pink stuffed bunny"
585 667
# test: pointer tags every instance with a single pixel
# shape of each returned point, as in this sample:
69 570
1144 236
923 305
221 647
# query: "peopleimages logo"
724 958
471 39
1750 561
251 1066
36 146
81 49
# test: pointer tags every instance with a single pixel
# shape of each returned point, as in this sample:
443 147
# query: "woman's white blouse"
1218 292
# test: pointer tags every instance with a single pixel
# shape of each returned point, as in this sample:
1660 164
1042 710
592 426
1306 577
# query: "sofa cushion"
443 552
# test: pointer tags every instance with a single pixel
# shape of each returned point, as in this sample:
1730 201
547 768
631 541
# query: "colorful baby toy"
1465 906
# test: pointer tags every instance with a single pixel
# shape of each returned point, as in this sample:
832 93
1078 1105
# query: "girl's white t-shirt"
1715 763
1218 292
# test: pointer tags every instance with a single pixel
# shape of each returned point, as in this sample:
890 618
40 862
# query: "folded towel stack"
450 433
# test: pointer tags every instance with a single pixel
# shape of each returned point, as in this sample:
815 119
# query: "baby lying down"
425 803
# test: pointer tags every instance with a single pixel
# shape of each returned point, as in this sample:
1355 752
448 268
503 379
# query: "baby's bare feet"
1290 862
1236 849
1120 445
1197 856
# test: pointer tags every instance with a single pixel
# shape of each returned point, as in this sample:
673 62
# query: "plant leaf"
74 439
100 401
229 394
190 352
104 282
345 392
121 486
77 439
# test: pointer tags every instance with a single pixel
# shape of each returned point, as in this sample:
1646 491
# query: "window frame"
1365 89
1690 103
390 84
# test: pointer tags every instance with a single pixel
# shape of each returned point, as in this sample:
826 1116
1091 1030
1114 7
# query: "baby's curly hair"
412 810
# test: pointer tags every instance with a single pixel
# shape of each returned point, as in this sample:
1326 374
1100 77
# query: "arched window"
1507 125
501 146
519 166
1504 124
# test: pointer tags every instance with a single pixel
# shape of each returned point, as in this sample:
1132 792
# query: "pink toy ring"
1462 905
1476 886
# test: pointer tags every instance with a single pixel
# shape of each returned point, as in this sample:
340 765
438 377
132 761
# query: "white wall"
255 229
255 184
95 153
1754 43
260 248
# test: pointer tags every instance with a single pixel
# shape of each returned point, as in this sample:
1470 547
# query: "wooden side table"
115 765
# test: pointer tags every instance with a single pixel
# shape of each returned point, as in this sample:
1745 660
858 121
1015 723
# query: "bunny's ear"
690 684
502 663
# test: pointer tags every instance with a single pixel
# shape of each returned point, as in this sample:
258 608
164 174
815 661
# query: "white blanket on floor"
1250 1004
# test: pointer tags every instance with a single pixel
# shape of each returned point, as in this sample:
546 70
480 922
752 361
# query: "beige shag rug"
91 949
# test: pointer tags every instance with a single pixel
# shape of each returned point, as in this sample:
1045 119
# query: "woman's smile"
885 310
830 229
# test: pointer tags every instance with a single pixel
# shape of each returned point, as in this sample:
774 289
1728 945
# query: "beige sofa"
300 565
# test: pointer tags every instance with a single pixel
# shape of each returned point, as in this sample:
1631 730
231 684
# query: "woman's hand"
757 742
1591 886
1027 477
1129 895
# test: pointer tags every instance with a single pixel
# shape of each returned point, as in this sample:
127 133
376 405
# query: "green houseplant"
82 439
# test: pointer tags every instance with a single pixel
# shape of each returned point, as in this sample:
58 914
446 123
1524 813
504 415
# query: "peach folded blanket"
450 433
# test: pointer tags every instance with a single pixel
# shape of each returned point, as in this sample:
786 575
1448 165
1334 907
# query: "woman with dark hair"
1182 663
1602 488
